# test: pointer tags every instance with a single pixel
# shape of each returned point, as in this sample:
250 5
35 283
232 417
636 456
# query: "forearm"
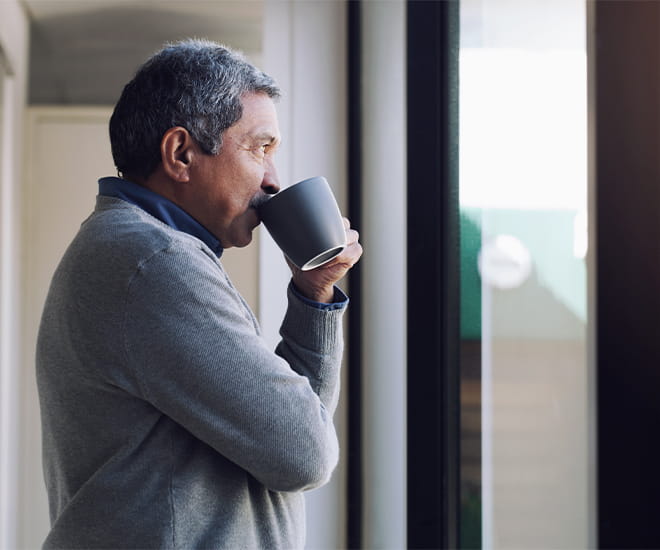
312 343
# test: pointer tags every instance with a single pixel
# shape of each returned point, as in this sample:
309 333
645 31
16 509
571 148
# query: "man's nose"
271 182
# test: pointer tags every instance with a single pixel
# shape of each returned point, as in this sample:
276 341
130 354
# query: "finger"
349 256
347 223
354 252
352 236
345 259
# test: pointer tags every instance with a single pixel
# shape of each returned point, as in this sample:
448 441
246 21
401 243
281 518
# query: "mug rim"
321 258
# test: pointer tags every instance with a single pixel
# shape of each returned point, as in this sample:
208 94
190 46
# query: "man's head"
198 125
195 84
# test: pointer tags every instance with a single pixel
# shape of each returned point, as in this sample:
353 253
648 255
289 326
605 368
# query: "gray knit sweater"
167 422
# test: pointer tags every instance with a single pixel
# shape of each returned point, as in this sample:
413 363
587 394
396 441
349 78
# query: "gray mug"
305 222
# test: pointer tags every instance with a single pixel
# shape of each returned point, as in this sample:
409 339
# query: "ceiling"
83 51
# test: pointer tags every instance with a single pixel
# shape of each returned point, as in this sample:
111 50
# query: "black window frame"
433 391
625 61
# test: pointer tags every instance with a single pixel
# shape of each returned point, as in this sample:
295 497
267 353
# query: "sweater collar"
159 207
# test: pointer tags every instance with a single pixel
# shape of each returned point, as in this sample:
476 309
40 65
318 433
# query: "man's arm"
194 349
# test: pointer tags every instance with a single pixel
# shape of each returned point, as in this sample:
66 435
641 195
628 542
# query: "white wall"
384 273
13 48
304 49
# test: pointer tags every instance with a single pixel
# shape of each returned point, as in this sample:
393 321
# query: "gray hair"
195 84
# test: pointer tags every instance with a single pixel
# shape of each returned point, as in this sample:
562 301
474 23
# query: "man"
167 423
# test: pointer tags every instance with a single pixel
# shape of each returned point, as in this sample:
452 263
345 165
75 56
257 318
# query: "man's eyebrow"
265 136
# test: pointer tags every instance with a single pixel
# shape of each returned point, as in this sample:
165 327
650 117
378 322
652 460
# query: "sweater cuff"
339 300
313 327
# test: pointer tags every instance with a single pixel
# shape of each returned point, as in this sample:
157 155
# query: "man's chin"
240 241
240 234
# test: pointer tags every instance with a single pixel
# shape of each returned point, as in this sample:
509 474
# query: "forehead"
259 117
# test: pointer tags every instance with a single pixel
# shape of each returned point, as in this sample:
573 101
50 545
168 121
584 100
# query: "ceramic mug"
305 222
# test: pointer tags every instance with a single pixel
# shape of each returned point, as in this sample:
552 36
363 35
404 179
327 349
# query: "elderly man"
167 421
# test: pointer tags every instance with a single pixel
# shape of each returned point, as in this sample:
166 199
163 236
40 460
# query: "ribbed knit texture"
167 422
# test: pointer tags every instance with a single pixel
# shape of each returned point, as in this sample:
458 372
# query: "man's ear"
176 153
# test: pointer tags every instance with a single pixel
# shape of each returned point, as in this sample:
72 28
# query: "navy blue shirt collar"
159 207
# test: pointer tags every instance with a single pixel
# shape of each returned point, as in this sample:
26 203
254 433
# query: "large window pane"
523 201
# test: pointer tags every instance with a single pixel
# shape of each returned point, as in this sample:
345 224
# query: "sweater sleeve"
312 344
197 356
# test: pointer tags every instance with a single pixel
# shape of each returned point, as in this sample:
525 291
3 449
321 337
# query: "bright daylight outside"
523 206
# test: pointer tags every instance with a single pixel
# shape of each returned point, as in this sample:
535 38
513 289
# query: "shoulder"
118 229
119 241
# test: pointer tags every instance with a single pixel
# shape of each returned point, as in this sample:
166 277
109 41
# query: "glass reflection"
523 201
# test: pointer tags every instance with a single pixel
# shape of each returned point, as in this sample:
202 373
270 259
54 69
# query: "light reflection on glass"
523 201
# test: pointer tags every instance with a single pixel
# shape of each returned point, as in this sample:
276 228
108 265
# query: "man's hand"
318 284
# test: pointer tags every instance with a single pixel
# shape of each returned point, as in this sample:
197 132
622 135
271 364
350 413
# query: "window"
525 382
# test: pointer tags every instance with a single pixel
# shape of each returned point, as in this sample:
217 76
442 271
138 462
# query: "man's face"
231 184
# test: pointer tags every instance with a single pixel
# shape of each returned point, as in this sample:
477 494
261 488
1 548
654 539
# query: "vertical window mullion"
433 280
355 463
626 118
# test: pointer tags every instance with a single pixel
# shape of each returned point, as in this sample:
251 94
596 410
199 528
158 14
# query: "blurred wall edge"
13 86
